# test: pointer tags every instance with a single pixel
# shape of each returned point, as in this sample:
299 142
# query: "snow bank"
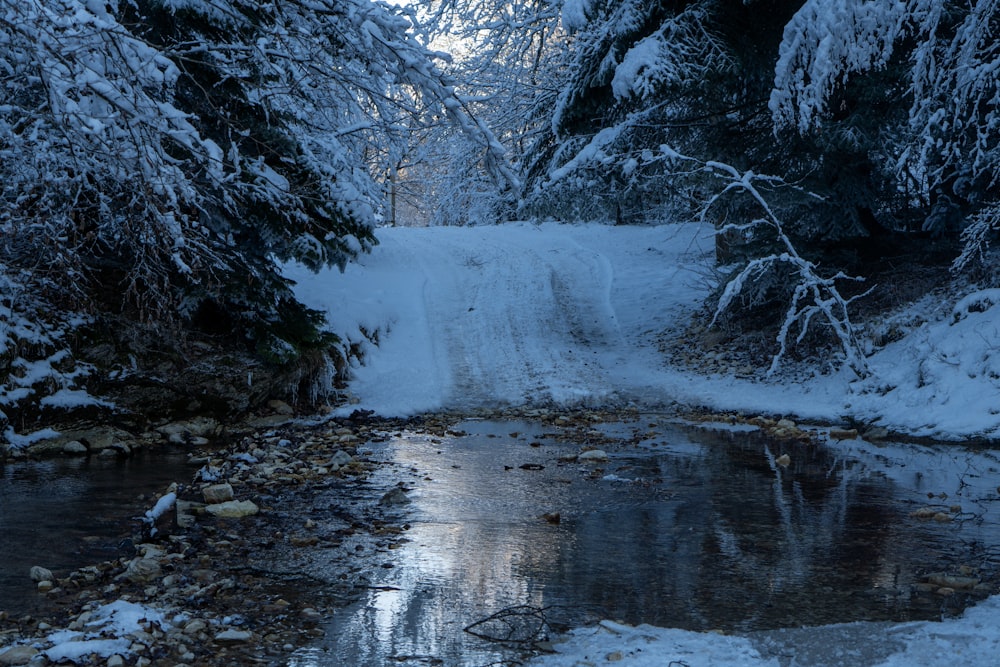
570 315
973 639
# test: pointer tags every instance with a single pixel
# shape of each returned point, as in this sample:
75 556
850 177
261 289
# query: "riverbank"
245 562
216 571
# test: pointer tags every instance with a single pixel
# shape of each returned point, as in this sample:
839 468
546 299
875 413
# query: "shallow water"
682 527
66 513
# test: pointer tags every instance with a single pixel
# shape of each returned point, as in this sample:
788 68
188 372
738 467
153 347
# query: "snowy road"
519 314
522 314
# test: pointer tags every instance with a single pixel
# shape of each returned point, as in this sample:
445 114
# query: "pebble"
115 661
233 636
195 626
593 455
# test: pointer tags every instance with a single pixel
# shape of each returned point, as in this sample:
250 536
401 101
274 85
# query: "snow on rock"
106 633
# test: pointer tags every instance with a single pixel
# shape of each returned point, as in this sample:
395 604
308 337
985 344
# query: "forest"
163 159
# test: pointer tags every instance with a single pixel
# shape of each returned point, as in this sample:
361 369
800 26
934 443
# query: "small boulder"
39 573
280 407
233 509
17 655
143 570
339 459
233 636
74 448
396 496
218 493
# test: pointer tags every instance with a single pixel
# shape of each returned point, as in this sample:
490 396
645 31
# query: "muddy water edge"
383 542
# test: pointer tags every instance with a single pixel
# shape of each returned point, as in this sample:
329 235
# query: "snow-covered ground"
572 314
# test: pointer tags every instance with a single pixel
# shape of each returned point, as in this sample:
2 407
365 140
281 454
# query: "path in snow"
521 314
518 314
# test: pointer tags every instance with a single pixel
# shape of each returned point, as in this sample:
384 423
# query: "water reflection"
695 530
66 513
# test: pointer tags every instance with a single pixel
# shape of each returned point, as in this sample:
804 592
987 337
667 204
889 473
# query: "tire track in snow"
519 323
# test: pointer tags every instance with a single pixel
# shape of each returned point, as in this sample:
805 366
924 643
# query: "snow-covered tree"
159 159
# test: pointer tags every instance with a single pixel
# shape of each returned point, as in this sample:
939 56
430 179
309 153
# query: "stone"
195 626
185 511
233 636
143 570
843 434
39 573
280 407
396 496
198 427
339 459
876 433
953 581
185 439
784 460
233 509
593 455
17 655
786 423
45 586
74 447
218 493
115 661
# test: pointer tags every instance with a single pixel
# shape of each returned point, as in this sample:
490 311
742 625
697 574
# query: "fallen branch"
521 624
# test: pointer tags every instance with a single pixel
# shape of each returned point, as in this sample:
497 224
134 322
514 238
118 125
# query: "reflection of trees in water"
745 542
792 544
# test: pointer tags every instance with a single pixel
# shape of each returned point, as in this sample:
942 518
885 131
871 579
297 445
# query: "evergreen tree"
161 159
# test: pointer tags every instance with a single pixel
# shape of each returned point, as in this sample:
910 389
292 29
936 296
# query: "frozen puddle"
686 529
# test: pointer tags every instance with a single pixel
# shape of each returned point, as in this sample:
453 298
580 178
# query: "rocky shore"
239 565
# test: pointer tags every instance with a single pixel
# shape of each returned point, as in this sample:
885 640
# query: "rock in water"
39 573
593 455
74 447
397 496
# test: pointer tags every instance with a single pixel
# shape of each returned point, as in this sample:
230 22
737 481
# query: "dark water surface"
682 528
67 513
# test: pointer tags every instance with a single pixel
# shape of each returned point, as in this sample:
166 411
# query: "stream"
69 512
700 528
682 527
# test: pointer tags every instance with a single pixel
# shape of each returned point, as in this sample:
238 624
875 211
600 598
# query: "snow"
106 633
973 639
573 315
